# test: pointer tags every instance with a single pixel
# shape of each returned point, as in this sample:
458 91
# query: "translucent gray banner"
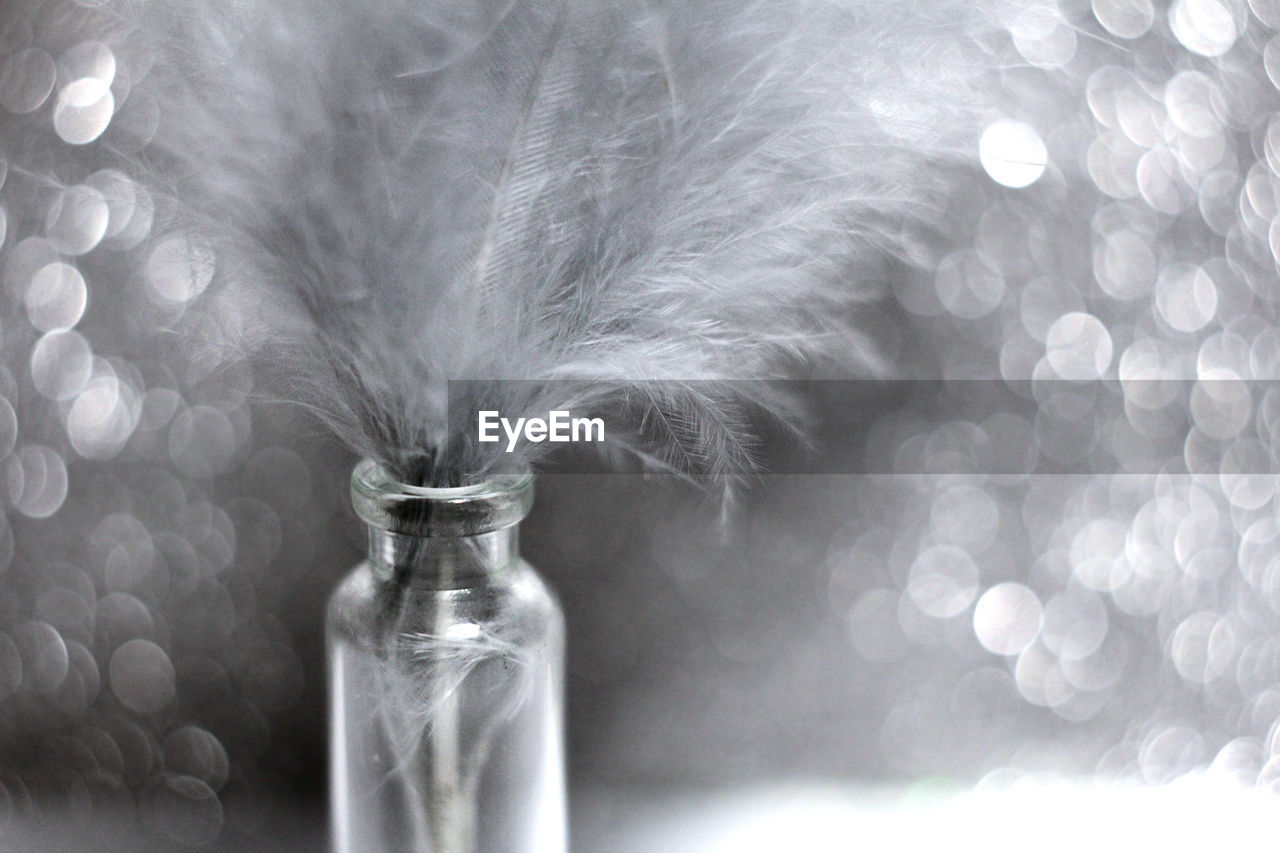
1214 427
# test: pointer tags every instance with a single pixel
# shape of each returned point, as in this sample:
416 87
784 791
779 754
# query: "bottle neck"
443 562
446 538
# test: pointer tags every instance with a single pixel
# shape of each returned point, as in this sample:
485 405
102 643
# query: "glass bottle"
446 654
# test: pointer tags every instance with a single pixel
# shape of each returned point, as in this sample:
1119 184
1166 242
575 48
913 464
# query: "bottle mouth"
388 504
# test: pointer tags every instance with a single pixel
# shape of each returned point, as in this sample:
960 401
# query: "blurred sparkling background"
168 537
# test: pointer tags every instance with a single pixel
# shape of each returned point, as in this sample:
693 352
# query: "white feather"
637 200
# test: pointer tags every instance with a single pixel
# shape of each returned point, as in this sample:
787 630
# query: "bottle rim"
384 502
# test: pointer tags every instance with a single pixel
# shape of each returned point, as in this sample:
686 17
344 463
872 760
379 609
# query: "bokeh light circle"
61 364
1006 618
179 269
56 298
26 79
142 676
1078 346
1012 153
83 110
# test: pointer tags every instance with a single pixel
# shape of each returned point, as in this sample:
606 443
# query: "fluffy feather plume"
629 202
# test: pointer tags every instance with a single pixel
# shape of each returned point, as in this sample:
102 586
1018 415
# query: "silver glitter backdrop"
168 538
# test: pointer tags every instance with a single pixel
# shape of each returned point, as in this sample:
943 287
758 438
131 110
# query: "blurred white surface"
1196 813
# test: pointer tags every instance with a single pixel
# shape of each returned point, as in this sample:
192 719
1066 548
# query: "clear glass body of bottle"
446 659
